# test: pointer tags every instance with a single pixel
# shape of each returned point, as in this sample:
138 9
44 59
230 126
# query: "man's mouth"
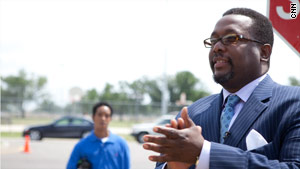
219 63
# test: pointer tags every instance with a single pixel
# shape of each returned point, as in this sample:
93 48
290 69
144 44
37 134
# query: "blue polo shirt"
112 154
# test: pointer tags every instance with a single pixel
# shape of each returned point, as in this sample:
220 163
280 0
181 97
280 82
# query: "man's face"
234 65
102 118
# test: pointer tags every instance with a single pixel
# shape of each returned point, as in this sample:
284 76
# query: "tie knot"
232 100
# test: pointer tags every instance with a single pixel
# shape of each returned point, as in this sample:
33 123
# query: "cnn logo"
294 10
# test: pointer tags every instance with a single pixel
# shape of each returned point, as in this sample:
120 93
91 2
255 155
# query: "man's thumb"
185 116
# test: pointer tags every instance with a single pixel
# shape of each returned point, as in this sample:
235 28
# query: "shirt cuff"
204 156
164 166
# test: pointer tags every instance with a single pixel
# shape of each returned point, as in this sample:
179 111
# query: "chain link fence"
13 107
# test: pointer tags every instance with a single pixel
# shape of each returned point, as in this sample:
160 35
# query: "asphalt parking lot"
54 154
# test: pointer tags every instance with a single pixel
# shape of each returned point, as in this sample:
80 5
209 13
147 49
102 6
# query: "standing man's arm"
74 158
126 156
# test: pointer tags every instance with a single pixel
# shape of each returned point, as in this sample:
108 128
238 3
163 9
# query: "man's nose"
218 47
102 117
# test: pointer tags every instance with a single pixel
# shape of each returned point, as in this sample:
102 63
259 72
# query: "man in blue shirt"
102 149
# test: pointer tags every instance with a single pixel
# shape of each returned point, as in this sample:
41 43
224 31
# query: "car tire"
35 135
85 134
140 136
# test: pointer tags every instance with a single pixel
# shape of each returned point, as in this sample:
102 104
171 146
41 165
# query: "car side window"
63 122
165 121
79 122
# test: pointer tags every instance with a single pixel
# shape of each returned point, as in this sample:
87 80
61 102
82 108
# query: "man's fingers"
153 145
161 140
168 132
157 148
181 124
159 158
174 124
185 116
166 158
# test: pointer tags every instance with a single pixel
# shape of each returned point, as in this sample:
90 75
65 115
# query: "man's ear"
266 51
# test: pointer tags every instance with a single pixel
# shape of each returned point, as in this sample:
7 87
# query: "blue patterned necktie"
227 115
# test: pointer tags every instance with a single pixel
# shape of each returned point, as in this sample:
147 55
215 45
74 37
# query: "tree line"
19 90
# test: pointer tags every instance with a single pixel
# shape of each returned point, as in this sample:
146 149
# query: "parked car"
139 130
65 127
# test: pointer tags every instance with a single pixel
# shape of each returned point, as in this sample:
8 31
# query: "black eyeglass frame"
208 44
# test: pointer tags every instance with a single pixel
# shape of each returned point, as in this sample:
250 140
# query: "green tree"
20 89
183 82
120 99
110 94
153 90
294 81
186 82
89 99
90 96
48 106
138 89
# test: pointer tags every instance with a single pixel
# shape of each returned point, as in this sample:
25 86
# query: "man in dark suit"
260 129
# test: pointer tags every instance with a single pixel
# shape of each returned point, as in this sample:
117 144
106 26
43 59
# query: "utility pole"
165 91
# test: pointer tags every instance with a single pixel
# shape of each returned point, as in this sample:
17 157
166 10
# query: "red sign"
285 17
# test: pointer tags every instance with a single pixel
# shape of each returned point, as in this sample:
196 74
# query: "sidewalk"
12 128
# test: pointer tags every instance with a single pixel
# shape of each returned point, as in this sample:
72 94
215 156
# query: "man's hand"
179 124
181 145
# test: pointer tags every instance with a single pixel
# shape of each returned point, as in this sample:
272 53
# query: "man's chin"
222 79
102 126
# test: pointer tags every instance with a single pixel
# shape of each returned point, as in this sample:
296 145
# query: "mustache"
219 55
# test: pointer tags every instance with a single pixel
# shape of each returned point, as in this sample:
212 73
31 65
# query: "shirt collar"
245 92
93 137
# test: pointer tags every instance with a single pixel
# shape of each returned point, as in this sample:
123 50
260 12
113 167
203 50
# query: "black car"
65 127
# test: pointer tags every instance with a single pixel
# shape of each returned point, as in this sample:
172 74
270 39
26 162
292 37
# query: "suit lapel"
210 119
252 109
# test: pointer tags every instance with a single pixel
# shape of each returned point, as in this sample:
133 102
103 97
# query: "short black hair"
261 29
97 105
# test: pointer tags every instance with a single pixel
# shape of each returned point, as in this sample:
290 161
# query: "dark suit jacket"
272 109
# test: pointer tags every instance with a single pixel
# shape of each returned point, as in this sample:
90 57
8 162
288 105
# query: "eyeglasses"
227 40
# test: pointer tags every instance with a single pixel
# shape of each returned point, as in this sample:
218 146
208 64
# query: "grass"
127 124
127 137
11 134
31 121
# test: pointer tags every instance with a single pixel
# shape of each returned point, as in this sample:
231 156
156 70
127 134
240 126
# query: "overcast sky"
87 43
